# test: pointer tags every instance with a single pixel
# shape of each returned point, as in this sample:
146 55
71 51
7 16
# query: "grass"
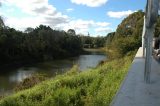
94 87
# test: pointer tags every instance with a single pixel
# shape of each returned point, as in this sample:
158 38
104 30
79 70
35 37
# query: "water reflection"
89 61
11 77
21 74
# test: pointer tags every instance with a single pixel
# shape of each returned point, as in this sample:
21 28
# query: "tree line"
127 38
41 43
44 43
93 42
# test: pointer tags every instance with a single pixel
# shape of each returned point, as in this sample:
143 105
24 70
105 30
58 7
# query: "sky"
96 17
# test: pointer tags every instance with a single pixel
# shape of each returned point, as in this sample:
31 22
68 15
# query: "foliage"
30 82
157 29
71 32
93 42
41 43
127 37
1 23
94 87
109 38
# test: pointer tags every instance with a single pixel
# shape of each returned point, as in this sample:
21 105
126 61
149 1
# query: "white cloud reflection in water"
21 74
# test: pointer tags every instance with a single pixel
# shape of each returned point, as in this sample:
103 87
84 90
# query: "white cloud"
119 14
103 30
90 3
28 5
69 9
79 25
103 24
10 10
40 11
23 23
82 26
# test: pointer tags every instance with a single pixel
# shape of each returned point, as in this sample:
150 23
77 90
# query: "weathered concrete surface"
134 91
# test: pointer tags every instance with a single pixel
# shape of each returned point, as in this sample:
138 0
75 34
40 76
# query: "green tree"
2 25
71 32
127 37
28 30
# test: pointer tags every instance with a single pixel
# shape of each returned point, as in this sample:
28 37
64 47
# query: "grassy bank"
95 87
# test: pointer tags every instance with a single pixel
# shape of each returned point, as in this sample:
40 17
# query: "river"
11 76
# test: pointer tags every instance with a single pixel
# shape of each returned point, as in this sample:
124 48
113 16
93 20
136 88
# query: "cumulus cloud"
23 23
39 10
27 5
119 14
79 25
69 9
103 30
102 24
82 26
90 3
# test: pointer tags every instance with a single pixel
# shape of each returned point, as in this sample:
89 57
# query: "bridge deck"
133 91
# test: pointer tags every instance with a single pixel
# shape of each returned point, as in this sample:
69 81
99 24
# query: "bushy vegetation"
41 43
157 28
93 42
95 87
127 36
30 82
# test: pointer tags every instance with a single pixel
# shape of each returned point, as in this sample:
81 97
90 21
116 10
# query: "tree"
71 32
2 25
127 37
28 30
41 43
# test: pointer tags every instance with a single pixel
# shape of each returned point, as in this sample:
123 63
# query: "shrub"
30 82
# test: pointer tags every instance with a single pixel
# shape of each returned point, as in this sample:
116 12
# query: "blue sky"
98 17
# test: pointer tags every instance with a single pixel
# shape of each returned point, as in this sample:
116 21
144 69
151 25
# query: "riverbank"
11 76
93 87
17 64
94 49
20 63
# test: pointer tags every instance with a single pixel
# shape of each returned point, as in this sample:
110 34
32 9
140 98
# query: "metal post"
148 60
143 38
151 16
